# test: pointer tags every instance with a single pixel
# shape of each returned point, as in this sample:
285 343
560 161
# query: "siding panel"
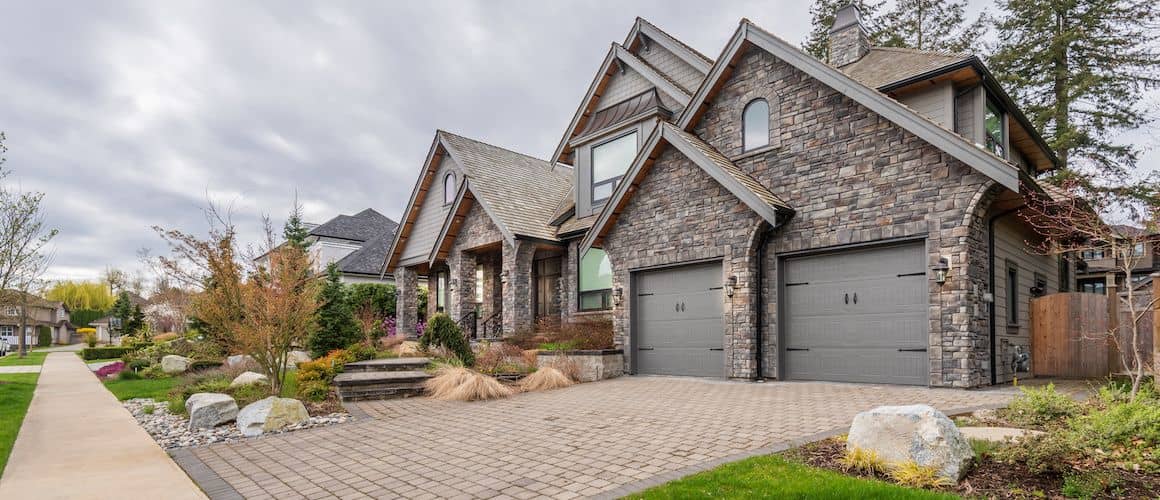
676 68
432 212
1010 245
934 103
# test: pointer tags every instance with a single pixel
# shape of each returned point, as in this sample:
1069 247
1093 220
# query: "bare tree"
1072 221
24 238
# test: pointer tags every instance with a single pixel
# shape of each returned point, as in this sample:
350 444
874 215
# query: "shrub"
148 409
586 334
128 375
205 364
456 383
313 390
499 357
324 369
337 328
154 372
92 353
1088 484
912 475
90 339
110 369
546 379
363 352
1041 407
864 461
1043 453
136 364
443 332
44 336
164 337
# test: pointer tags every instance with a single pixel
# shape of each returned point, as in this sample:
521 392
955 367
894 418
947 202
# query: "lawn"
15 394
157 389
772 476
33 359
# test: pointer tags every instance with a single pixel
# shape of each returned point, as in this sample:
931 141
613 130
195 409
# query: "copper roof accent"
639 105
885 65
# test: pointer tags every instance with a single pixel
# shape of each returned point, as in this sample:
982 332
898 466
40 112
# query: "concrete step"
348 379
387 365
378 392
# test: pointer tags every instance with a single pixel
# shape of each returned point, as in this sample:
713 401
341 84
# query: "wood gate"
1069 335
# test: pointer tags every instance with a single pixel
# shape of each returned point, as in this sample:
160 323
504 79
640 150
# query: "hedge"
104 352
82 317
44 336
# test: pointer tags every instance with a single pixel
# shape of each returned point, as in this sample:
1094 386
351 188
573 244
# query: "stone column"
517 290
407 301
461 267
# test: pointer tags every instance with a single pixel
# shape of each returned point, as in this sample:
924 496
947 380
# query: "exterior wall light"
617 295
941 270
730 286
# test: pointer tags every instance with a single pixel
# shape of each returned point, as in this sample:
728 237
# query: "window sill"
756 152
594 312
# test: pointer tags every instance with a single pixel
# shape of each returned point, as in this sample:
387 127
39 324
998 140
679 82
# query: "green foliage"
122 310
913 475
148 409
91 353
363 352
822 14
443 332
43 336
128 375
1088 484
938 25
91 339
205 364
337 328
153 388
379 296
81 296
421 300
136 324
294 231
1041 406
34 358
313 390
984 448
82 317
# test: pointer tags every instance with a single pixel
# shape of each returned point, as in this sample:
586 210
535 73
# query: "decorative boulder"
240 361
271 414
295 357
173 363
918 433
249 378
210 409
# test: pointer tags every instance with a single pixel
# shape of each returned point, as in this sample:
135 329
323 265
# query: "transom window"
609 162
993 128
449 188
595 281
755 125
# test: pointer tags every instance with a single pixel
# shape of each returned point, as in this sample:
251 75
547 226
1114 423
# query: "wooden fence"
1069 335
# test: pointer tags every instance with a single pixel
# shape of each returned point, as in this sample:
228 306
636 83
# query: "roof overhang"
653 34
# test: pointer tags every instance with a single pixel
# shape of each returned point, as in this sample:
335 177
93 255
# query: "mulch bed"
990 479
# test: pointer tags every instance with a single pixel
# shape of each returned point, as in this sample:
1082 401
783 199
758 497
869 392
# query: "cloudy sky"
134 114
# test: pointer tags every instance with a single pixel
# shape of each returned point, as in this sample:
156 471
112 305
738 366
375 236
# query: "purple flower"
111 369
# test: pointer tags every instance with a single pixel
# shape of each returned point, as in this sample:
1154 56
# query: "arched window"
449 188
755 125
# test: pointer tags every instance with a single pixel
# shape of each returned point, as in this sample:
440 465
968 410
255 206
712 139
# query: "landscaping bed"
171 430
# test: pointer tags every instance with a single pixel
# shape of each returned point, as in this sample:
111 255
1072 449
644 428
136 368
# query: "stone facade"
852 176
848 39
406 301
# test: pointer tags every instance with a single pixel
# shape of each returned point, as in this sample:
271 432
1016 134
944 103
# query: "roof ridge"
947 53
675 39
546 163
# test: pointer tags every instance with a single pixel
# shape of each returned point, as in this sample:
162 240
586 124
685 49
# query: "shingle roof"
363 226
369 259
519 190
886 65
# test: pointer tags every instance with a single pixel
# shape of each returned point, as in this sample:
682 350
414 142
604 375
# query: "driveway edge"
644 484
203 476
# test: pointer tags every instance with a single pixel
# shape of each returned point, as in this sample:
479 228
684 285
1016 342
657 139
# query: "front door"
548 288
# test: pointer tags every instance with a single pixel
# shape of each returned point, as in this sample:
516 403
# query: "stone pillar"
407 301
517 290
461 267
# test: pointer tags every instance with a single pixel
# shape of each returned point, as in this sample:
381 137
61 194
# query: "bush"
864 461
164 337
92 353
154 372
912 475
205 364
443 332
363 352
499 357
91 339
456 383
337 328
135 364
314 390
44 336
546 379
110 369
128 375
1041 407
324 369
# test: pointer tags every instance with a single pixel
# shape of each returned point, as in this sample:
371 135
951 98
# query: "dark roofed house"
357 243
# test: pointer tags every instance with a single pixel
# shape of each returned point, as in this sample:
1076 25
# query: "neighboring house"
764 215
41 314
357 243
104 330
1098 267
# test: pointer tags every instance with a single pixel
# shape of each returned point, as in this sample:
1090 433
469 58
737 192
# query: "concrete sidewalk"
77 441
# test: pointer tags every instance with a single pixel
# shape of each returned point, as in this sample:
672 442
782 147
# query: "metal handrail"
493 326
467 324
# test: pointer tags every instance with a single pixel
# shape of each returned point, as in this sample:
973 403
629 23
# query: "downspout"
758 337
991 265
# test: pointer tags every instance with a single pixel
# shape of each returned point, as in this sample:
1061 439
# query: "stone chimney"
848 38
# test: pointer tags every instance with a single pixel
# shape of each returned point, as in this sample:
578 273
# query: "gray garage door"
678 322
857 316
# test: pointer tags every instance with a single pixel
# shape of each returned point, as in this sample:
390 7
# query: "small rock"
270 414
172 363
918 433
209 409
249 378
295 357
240 361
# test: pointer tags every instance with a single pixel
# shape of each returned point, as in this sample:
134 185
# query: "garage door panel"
678 321
681 361
859 365
703 333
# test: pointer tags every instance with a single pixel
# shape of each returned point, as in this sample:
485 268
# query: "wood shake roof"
886 65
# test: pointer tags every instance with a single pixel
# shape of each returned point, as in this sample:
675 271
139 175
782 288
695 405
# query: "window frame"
11 329
990 142
449 195
442 278
615 181
604 293
479 283
1012 293
1064 273
1093 254
1138 250
745 148
1098 287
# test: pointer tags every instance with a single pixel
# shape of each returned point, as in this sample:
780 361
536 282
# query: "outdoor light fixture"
617 295
730 286
941 270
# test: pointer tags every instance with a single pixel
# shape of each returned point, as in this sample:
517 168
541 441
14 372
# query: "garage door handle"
645 348
716 348
847 299
855 297
913 350
797 348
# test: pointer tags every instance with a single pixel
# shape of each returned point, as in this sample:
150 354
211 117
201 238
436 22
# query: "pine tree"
123 311
822 13
136 322
939 25
337 328
295 231
1079 69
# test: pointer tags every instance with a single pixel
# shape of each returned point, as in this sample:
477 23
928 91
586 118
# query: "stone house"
761 215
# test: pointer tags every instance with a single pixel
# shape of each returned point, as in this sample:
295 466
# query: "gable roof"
751 192
363 226
886 65
368 259
748 35
688 54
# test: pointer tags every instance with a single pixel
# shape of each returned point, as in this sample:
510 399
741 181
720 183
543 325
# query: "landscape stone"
917 433
249 378
173 363
295 357
271 414
240 361
210 409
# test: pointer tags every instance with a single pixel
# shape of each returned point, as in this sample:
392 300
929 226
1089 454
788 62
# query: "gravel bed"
172 431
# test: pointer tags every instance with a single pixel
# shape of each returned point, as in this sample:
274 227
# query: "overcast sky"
133 114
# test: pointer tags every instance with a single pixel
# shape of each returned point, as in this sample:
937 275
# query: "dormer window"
755 125
449 188
994 130
610 160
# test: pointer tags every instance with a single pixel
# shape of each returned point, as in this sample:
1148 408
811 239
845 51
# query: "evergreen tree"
822 13
123 311
939 25
1079 69
136 322
337 328
295 231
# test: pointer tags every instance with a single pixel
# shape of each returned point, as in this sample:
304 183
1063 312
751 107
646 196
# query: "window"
1012 294
993 129
1140 278
755 125
449 188
595 281
1092 254
609 162
1138 250
12 311
479 283
1093 287
7 330
441 291
1064 273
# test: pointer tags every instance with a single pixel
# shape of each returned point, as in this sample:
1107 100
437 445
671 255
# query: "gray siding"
1010 237
968 115
622 86
432 212
936 103
676 68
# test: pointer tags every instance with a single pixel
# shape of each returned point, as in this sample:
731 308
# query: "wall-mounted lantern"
941 270
617 295
730 286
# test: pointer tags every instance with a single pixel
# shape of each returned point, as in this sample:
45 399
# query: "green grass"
15 394
290 384
157 389
772 476
32 359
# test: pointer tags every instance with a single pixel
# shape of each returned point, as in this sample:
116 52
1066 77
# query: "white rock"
173 363
209 409
240 361
249 378
271 414
295 357
918 433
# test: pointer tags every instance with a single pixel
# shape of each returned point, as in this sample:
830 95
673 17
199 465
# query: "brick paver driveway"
596 439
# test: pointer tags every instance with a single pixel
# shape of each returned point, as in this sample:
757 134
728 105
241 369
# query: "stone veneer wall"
853 177
406 300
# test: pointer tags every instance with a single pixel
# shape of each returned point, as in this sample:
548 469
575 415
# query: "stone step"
380 378
387 365
377 392
371 385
